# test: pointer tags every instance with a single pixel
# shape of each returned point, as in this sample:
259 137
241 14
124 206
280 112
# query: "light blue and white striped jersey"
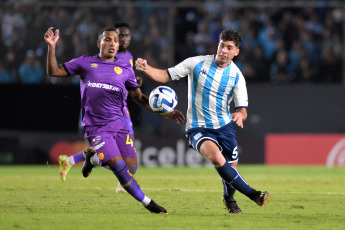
210 91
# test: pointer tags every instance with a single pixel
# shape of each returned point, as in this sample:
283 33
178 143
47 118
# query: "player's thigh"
105 147
228 141
126 145
211 151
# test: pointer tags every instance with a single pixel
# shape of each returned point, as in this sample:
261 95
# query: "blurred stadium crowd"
280 44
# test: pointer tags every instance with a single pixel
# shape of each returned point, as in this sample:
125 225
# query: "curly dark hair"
231 35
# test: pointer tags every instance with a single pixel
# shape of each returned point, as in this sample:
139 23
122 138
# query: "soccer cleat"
64 166
155 208
87 166
261 198
232 206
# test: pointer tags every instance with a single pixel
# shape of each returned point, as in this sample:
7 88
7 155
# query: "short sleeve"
73 67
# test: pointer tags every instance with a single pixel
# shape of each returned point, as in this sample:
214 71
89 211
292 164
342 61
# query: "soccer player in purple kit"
125 37
103 78
65 161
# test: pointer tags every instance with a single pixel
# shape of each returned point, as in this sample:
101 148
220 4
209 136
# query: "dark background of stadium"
31 112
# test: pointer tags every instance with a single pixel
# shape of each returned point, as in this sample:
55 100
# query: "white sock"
145 201
71 160
95 160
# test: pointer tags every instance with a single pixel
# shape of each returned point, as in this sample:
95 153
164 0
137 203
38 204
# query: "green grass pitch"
33 197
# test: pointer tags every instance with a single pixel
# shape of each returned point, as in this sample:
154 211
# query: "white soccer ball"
163 100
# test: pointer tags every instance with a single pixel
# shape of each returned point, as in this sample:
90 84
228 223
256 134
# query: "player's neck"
123 51
107 58
222 64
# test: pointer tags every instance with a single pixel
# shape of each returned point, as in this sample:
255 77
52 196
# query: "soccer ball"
163 100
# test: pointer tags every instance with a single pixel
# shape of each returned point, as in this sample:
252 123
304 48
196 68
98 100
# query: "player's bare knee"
217 160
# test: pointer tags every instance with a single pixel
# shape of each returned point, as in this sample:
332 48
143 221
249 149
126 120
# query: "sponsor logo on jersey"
94 65
197 136
101 156
102 86
203 72
232 81
118 70
96 140
99 145
131 61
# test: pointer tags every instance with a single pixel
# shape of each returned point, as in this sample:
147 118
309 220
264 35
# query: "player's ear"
237 52
98 43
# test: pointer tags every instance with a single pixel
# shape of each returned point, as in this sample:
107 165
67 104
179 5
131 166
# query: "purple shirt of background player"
126 57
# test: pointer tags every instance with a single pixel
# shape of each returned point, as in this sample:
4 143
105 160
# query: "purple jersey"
103 89
127 58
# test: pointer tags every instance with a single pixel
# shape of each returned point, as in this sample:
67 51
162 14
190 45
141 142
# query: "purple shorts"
110 145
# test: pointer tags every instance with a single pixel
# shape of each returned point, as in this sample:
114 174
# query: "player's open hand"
237 117
141 64
176 116
50 37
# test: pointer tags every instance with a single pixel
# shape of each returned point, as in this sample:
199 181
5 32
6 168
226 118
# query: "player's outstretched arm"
51 39
142 100
176 116
157 75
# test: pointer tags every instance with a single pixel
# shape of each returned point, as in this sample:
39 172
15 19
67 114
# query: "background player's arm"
53 69
142 100
157 75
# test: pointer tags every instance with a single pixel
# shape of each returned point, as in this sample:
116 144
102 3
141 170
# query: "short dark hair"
100 33
121 24
231 35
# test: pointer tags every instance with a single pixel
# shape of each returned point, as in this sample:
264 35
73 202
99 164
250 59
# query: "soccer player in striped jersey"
65 161
103 81
213 82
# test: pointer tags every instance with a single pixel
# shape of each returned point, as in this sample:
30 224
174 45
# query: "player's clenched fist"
140 64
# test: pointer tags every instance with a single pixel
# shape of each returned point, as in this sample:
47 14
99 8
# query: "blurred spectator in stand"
259 66
311 47
267 39
31 70
5 77
328 69
202 39
11 19
88 23
230 19
186 49
296 54
306 72
12 63
286 26
279 71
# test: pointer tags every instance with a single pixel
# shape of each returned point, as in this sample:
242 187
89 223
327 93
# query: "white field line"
180 190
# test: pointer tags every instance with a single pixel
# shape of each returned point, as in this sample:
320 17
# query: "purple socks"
127 180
